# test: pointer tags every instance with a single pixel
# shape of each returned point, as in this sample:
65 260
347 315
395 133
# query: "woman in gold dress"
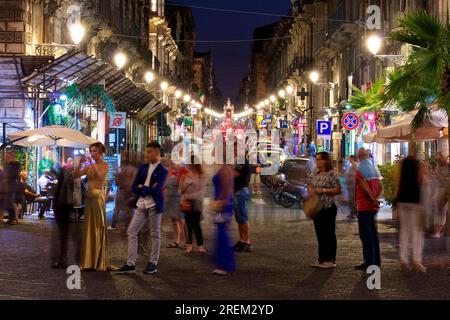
94 254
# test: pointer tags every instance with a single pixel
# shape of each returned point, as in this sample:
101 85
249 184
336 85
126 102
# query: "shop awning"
13 68
86 70
401 129
151 109
433 128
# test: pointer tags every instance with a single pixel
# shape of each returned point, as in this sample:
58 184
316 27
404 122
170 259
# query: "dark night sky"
231 60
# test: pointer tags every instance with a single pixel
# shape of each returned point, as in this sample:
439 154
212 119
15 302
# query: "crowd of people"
420 202
142 194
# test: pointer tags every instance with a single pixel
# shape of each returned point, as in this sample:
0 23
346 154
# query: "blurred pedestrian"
192 190
409 200
325 182
222 207
13 187
440 199
176 174
124 180
350 183
242 172
63 208
368 189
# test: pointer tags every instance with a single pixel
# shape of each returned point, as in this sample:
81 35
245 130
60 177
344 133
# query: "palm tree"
425 78
371 101
421 82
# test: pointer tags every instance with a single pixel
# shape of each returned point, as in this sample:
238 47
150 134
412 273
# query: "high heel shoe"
419 267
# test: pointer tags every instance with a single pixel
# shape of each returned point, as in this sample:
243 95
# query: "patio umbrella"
56 136
432 128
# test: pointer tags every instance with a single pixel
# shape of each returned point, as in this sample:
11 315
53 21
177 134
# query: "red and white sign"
350 121
118 120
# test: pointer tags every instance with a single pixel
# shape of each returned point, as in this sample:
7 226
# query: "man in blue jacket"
148 185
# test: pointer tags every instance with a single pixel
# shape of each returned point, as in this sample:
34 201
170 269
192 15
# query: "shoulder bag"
312 206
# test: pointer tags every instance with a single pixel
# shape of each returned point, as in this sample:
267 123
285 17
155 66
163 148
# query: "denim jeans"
241 199
369 237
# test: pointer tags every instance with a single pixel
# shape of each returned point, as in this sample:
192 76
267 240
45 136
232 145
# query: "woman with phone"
94 252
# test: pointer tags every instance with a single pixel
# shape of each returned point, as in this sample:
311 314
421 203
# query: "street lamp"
290 90
266 102
164 86
149 77
282 93
374 44
77 32
120 60
273 98
178 94
314 76
187 98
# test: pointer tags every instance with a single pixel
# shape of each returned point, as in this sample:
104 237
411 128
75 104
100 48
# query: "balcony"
53 49
340 30
301 64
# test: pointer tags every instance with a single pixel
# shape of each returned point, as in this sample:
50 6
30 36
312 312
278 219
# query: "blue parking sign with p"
324 129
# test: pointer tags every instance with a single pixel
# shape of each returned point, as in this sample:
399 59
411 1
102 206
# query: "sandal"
173 245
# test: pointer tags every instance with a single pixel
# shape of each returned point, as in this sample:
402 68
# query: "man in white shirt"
148 185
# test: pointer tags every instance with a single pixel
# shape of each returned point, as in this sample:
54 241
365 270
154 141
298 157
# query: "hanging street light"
314 76
164 85
149 77
187 98
290 89
120 60
77 32
178 94
374 43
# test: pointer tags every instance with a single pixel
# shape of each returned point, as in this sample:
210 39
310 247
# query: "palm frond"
369 101
422 26
422 113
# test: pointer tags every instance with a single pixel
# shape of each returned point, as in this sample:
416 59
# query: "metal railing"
52 49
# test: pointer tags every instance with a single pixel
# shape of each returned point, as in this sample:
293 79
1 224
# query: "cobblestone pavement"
284 246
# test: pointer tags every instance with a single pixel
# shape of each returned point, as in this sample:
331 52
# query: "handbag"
132 201
186 206
312 206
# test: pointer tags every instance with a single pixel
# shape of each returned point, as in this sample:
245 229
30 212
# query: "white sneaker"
111 228
220 272
315 264
327 265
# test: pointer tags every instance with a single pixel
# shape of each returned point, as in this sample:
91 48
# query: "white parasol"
57 136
